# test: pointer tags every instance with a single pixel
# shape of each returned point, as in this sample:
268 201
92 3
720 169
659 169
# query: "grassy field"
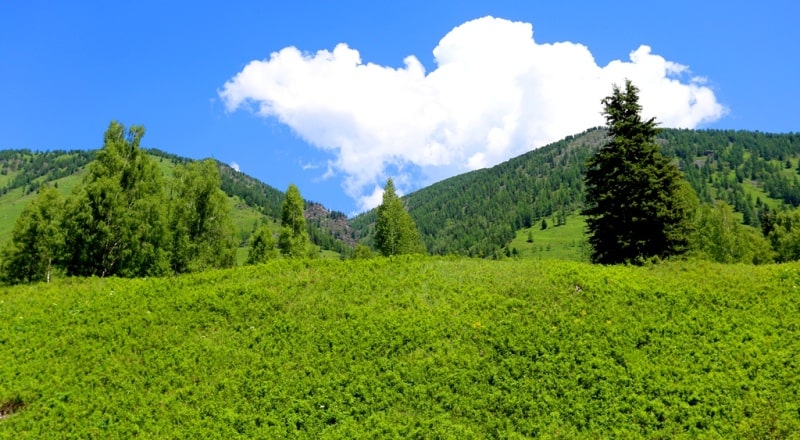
564 242
407 347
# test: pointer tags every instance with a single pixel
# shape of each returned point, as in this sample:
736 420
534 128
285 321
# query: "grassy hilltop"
407 347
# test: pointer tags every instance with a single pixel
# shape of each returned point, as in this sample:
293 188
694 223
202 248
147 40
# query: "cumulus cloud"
495 93
235 167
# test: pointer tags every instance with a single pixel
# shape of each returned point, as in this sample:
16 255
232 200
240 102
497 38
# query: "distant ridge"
478 213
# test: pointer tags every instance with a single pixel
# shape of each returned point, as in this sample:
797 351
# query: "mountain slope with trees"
478 213
24 172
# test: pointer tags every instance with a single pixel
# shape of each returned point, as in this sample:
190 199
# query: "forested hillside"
23 172
478 213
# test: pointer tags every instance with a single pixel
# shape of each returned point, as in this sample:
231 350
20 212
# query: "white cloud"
235 166
371 200
495 93
308 166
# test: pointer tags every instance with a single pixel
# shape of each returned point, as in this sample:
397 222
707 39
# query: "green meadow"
412 347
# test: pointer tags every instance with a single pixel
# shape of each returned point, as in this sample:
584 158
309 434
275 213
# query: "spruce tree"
395 230
636 199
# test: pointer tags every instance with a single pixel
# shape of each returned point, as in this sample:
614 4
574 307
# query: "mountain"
253 202
480 212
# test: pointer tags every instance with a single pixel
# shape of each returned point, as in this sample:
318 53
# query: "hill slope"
253 202
479 212
423 347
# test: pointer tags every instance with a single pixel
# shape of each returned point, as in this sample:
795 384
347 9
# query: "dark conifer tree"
638 204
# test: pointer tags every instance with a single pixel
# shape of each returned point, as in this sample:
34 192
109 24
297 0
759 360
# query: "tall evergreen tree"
36 240
293 238
202 229
395 230
637 205
115 223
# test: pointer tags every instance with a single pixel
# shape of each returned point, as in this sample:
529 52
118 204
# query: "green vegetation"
263 246
132 212
115 222
564 242
407 347
719 236
293 238
480 212
252 203
395 230
375 347
201 225
37 240
636 202
121 221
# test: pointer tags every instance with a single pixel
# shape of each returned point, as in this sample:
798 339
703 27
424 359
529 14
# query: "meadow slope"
407 347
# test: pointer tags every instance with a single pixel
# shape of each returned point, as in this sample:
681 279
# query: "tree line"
125 219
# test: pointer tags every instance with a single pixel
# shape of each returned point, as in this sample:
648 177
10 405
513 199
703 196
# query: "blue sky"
337 96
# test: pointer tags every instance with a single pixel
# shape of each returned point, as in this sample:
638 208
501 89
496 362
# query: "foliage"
37 241
784 235
262 247
634 205
255 193
30 170
478 212
120 221
395 230
363 252
293 238
720 236
407 348
115 224
200 219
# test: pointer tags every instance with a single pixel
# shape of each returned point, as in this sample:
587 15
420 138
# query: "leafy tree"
362 252
784 235
293 237
262 246
395 230
36 240
720 236
116 222
636 204
203 235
